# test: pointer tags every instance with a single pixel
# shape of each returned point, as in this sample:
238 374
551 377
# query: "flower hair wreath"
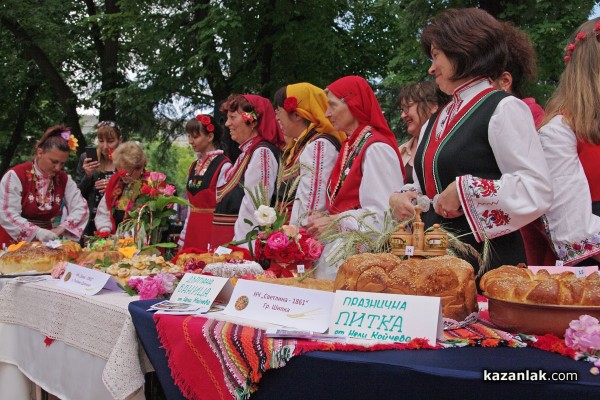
581 36
205 121
72 141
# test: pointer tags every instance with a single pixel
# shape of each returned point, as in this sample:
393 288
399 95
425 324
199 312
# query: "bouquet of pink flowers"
285 246
152 287
583 336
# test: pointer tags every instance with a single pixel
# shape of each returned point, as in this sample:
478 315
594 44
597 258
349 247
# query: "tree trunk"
19 129
68 100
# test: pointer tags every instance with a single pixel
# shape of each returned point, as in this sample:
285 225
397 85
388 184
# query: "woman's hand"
402 205
448 203
100 185
59 230
90 166
318 223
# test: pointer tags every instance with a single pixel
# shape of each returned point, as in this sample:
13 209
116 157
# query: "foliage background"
148 65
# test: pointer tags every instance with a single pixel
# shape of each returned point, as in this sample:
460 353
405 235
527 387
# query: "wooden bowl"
537 319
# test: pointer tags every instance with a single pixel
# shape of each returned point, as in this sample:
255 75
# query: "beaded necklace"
44 197
201 167
348 155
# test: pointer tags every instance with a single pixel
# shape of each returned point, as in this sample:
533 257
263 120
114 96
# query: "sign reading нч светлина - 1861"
386 317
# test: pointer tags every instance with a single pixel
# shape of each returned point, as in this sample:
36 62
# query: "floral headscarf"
267 128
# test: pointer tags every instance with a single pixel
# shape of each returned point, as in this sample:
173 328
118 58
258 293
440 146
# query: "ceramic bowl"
537 319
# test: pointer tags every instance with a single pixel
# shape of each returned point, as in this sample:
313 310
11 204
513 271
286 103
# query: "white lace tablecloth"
99 325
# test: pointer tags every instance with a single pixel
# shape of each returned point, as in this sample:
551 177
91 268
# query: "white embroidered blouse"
524 191
574 229
316 162
11 190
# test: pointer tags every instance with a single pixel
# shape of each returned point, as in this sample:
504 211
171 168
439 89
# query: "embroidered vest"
347 196
208 179
466 150
230 195
29 206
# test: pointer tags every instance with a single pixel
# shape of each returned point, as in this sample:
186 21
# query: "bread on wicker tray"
520 285
449 278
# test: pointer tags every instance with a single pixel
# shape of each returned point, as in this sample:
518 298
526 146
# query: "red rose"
205 120
210 128
146 189
290 104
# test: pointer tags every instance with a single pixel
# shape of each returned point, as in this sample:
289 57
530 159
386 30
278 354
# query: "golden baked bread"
87 256
209 257
523 286
33 256
306 283
449 278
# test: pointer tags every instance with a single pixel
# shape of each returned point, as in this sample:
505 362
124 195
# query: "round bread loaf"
520 285
449 278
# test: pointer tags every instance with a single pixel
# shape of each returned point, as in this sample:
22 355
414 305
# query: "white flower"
265 215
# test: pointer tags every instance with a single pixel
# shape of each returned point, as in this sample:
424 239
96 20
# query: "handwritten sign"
86 281
202 290
293 307
386 317
579 272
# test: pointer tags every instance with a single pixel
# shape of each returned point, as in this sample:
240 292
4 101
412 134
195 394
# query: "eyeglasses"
406 107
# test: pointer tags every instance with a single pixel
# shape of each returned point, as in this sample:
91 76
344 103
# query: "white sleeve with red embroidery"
102 218
574 229
316 162
261 170
10 217
523 193
77 211
382 176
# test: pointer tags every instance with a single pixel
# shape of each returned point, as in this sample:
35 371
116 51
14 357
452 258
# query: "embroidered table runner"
212 359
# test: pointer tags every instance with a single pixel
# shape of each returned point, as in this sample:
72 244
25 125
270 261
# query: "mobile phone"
91 152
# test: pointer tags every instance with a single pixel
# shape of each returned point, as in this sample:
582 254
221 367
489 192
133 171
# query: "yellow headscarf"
311 105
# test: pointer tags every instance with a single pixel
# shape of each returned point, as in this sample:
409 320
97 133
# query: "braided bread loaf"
446 277
523 286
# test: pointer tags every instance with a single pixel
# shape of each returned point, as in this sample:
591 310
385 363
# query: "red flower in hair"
210 128
290 104
580 36
205 120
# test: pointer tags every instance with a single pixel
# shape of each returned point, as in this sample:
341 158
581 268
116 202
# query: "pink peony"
168 190
167 281
583 334
151 288
134 283
314 248
278 241
157 176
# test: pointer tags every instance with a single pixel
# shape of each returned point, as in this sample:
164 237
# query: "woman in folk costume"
252 124
479 158
32 193
123 188
367 171
570 135
205 175
312 152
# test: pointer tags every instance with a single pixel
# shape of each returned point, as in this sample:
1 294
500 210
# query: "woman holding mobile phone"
93 173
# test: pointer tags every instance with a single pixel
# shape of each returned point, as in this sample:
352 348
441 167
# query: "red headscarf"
267 128
363 105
